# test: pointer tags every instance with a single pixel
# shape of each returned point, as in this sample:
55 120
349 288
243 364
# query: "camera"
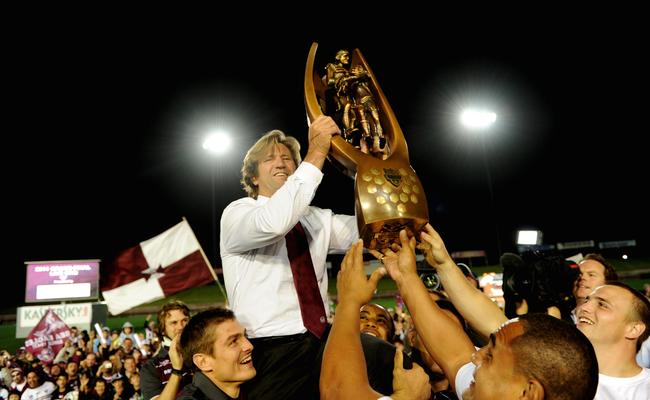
430 279
543 279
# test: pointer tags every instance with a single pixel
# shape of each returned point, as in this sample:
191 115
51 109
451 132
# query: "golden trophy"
372 150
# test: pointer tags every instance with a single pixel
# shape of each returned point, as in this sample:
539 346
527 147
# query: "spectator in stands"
135 383
127 346
5 368
100 391
162 376
18 380
66 352
62 387
214 345
122 389
89 363
343 374
72 370
103 343
536 355
127 332
130 367
150 329
36 389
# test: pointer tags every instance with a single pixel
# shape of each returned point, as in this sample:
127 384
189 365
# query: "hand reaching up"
351 282
434 249
399 261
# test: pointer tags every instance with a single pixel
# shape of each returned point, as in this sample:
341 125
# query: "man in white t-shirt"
536 356
37 390
616 319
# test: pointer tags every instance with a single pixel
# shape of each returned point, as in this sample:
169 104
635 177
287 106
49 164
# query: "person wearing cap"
18 380
127 332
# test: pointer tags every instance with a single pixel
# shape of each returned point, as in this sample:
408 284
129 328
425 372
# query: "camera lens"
430 280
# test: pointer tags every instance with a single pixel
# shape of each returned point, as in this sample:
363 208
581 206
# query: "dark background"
106 118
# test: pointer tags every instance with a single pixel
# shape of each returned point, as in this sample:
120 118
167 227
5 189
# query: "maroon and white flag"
159 267
47 337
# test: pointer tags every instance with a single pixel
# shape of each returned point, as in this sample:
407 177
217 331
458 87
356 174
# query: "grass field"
210 294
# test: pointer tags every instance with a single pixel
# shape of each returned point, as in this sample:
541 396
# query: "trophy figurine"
371 149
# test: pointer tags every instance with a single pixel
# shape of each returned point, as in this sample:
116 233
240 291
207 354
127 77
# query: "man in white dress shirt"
257 269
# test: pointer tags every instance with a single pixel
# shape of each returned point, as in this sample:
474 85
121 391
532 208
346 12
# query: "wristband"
178 372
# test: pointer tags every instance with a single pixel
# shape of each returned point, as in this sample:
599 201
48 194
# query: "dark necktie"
304 278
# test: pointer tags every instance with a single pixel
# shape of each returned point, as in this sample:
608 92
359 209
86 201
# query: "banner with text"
74 314
47 337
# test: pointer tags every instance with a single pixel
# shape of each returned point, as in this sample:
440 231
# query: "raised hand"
351 282
434 249
400 260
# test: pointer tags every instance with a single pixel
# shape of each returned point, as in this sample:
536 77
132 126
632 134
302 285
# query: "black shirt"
202 388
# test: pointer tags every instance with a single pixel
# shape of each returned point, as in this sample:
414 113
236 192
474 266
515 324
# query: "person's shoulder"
190 392
154 361
244 201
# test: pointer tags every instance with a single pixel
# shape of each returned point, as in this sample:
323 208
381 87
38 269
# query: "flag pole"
207 261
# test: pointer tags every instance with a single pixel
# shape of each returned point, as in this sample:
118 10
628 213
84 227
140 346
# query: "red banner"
47 337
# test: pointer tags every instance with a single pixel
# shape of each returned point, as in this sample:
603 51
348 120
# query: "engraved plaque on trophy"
371 149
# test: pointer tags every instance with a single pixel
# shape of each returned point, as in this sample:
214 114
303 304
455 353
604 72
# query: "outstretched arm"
477 309
443 338
349 380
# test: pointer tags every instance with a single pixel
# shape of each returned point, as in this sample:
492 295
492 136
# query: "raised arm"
443 338
349 379
477 309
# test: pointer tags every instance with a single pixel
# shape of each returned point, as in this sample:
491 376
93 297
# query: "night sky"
106 126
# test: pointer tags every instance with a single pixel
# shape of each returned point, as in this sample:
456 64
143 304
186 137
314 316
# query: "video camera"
431 280
543 279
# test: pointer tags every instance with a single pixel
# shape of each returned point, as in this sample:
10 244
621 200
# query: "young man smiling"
616 319
214 344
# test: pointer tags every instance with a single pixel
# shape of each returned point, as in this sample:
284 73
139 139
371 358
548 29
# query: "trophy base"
382 234
388 198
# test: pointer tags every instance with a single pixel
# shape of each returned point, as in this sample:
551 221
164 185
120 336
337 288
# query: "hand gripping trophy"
372 150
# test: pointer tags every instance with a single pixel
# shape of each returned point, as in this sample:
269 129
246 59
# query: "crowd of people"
280 340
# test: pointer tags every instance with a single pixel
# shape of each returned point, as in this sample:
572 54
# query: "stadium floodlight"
477 119
217 142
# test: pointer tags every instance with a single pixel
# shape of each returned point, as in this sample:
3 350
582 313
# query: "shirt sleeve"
247 225
344 233
464 378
